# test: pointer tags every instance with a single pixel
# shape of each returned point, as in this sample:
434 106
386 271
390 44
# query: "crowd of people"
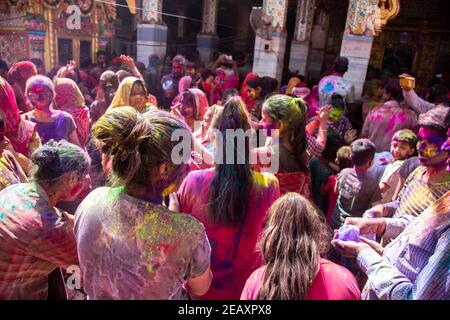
357 208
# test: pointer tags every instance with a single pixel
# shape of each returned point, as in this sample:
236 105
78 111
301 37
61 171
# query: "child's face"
335 114
401 150
40 97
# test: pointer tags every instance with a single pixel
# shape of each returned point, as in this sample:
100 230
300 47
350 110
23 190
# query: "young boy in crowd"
357 190
343 161
403 145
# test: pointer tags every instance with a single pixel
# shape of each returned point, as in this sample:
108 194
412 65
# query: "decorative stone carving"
368 17
210 14
152 11
304 19
278 10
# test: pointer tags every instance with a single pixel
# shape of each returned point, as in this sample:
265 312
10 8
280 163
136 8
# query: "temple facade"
307 35
52 31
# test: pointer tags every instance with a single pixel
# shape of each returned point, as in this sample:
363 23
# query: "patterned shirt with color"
35 239
415 197
234 255
416 265
335 84
383 122
130 249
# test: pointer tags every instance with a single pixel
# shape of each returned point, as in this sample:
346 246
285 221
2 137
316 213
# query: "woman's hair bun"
44 156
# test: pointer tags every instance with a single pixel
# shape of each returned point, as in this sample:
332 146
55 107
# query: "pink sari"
69 98
18 131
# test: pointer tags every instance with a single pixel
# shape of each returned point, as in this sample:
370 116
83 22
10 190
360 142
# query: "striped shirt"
416 265
416 196
35 239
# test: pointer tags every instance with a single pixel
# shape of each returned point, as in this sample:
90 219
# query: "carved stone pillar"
269 54
151 32
300 46
365 19
207 39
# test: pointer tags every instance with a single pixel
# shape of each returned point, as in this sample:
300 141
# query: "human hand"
324 113
174 203
367 225
64 71
349 249
350 136
175 110
128 61
197 157
374 212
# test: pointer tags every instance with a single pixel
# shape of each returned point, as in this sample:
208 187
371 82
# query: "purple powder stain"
348 232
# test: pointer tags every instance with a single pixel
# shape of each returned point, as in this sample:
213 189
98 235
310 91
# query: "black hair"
206 73
272 84
265 83
101 52
341 64
334 143
230 187
363 151
337 101
393 88
438 93
3 65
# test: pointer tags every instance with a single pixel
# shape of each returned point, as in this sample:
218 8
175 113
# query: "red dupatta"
18 131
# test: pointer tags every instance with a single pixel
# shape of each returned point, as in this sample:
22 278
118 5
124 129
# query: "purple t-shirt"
59 129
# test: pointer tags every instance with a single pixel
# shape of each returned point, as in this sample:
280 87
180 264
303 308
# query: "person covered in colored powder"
20 133
335 83
403 146
415 265
69 98
292 144
231 201
109 84
132 92
384 121
130 245
428 182
35 236
18 75
50 123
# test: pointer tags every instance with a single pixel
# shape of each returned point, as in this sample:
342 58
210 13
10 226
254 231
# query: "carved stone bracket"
388 13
